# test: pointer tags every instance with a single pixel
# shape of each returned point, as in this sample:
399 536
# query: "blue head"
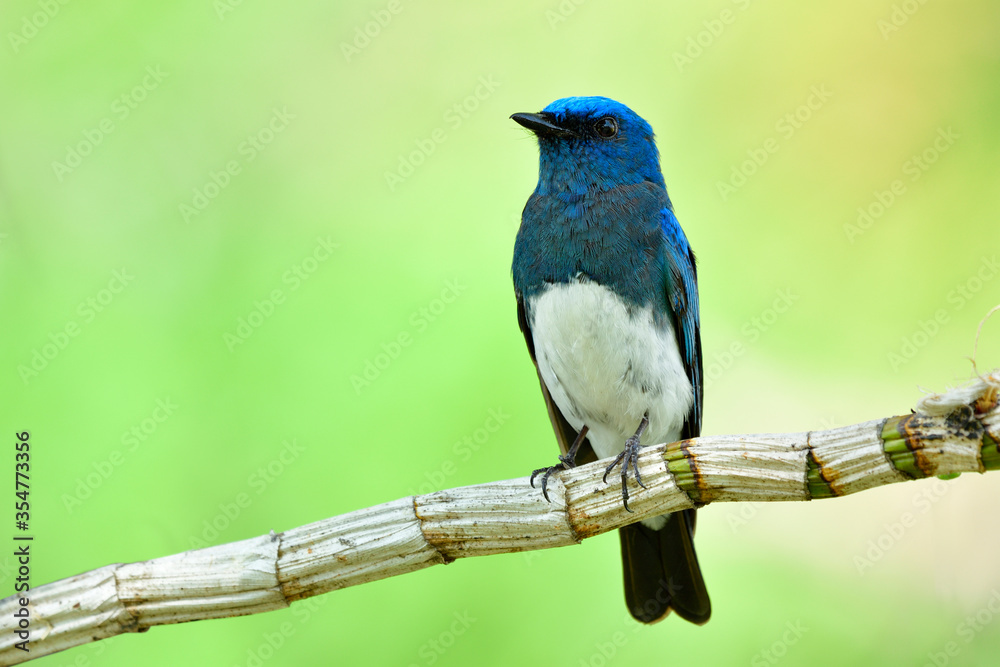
591 143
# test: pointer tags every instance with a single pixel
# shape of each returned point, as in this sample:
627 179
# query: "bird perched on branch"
607 299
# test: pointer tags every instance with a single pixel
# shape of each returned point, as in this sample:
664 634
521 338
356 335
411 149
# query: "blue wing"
681 283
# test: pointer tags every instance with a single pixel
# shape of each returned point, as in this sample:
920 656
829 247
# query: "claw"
566 461
629 457
635 465
545 478
613 464
625 491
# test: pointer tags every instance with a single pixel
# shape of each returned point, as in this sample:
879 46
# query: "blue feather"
681 286
607 296
601 210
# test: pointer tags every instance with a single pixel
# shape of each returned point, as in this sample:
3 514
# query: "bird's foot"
629 457
566 461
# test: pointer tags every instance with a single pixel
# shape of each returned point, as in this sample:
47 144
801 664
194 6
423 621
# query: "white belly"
606 366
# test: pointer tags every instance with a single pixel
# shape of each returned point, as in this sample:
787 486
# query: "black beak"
541 124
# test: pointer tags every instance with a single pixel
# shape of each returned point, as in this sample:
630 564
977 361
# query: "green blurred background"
167 171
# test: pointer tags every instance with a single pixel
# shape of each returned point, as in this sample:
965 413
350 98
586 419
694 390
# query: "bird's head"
591 143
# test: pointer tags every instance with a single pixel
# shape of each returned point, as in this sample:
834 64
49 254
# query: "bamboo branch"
951 433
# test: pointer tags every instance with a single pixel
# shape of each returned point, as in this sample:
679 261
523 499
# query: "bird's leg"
629 457
567 460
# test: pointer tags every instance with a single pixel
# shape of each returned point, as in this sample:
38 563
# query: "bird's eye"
606 127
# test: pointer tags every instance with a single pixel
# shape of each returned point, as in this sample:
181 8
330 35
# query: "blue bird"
607 299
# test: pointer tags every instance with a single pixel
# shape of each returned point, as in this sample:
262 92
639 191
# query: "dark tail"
661 571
